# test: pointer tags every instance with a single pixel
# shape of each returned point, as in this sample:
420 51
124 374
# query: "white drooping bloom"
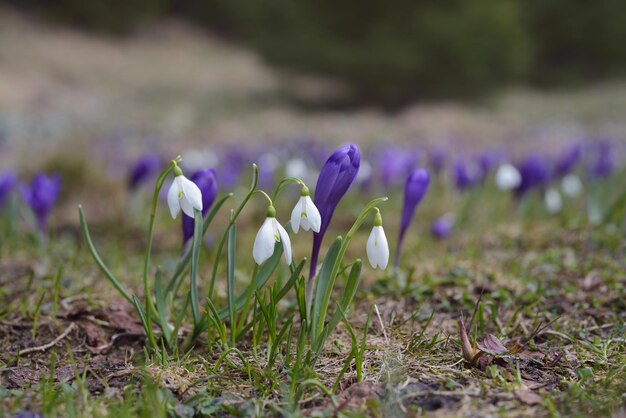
553 200
305 214
508 177
269 234
377 248
183 194
571 185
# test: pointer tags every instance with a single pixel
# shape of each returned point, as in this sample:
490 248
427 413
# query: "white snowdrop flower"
183 194
269 234
377 248
571 185
305 214
553 200
508 177
296 167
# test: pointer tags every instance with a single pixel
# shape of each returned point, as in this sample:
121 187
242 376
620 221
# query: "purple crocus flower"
535 172
145 167
8 180
41 196
334 180
206 180
442 227
414 190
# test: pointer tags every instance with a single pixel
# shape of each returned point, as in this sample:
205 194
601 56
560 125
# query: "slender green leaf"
352 285
182 264
195 257
94 253
161 306
323 288
230 279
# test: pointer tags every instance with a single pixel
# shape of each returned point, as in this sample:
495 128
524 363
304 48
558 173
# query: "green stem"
150 309
285 182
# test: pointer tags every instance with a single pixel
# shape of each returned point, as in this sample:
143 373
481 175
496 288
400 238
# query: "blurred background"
165 75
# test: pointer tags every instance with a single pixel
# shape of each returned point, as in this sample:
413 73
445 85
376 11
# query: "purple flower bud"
535 172
41 196
206 180
414 190
144 168
334 180
8 180
442 227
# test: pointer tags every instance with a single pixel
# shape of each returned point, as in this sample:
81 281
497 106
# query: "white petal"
172 199
313 215
377 248
296 215
264 242
284 237
185 205
192 193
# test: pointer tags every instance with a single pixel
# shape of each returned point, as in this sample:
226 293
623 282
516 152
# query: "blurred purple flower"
41 196
465 174
28 414
8 180
143 169
231 167
206 180
414 190
334 180
535 172
438 160
487 161
442 227
394 164
602 164
567 161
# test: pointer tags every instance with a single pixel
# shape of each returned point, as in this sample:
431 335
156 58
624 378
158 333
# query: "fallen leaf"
492 345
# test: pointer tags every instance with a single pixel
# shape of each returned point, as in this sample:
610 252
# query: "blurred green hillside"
393 52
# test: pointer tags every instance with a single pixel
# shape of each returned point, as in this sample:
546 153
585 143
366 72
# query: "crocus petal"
296 215
377 248
172 199
191 193
264 242
284 237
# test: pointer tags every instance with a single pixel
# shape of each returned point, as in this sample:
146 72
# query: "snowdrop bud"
571 185
377 248
553 200
269 234
508 177
305 214
183 194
